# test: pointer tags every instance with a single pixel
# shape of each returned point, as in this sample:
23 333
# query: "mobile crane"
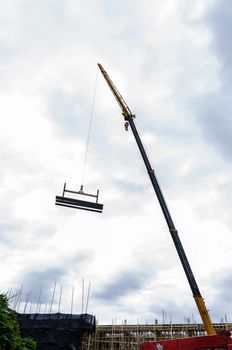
129 121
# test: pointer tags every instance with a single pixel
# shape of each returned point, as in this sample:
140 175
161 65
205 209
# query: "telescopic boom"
128 116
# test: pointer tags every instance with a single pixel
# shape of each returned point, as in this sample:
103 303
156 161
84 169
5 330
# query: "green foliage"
10 338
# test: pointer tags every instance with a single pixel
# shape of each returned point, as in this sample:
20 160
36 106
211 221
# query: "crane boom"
128 116
126 112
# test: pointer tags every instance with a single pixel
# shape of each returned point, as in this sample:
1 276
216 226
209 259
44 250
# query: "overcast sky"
171 61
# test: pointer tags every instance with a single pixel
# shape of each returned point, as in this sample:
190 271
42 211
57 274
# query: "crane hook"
126 125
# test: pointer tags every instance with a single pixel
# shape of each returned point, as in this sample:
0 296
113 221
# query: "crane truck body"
207 342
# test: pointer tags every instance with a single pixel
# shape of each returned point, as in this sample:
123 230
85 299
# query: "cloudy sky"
171 61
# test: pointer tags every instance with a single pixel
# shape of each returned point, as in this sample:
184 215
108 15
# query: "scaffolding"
129 337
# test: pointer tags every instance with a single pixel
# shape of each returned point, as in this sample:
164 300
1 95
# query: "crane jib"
174 234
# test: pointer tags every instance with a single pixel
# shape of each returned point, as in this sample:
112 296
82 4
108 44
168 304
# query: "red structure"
208 342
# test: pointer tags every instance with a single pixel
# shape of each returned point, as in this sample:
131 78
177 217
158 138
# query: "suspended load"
77 203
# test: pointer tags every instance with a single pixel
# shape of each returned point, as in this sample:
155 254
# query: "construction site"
56 330
116 181
124 336
62 329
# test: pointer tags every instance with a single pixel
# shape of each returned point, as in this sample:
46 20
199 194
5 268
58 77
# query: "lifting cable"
76 203
89 130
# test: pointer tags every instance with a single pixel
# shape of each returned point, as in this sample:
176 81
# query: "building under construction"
129 337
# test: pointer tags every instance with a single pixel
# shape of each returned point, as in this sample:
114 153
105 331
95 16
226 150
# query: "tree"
10 338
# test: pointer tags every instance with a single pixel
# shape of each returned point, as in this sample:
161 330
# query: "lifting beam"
129 118
77 203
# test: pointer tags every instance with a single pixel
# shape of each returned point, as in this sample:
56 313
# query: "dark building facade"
57 331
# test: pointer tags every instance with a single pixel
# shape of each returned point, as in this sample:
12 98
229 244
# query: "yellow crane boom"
128 116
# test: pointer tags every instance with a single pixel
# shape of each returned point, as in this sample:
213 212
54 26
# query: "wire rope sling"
76 202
